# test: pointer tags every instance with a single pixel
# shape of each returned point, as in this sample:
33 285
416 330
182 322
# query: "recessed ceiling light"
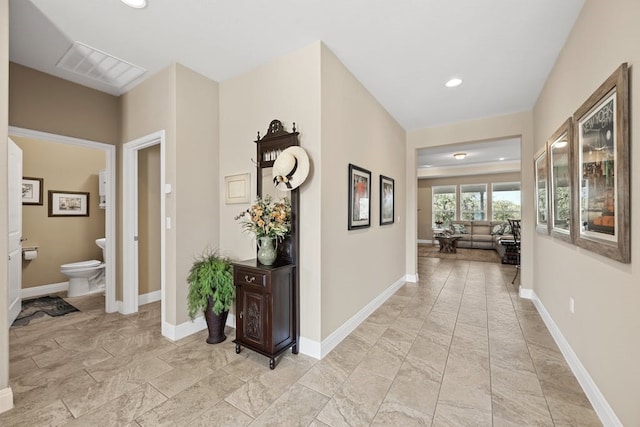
460 156
137 4
501 158
453 82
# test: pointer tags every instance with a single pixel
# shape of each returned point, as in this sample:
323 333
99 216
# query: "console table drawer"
248 277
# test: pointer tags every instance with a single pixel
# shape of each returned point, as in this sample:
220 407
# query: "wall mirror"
560 204
268 147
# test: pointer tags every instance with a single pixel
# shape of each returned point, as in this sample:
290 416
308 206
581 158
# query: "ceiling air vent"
97 65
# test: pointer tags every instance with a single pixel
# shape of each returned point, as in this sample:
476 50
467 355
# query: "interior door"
15 229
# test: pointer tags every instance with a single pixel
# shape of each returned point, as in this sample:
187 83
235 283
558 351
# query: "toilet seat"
81 265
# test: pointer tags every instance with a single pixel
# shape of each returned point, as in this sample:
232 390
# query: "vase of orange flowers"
269 221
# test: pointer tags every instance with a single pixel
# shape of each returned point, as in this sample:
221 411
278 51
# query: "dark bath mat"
43 306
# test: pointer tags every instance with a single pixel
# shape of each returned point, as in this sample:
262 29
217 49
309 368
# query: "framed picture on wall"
542 197
560 181
387 200
601 156
32 189
237 188
359 197
68 203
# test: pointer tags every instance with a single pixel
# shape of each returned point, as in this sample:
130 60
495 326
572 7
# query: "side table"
448 244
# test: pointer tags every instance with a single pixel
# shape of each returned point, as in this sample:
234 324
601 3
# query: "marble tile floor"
458 348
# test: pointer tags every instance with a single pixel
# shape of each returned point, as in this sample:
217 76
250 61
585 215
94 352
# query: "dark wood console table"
266 308
448 244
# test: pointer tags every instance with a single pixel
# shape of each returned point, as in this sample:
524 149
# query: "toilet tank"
102 243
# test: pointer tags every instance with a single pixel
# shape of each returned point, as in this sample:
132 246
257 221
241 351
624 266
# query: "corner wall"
603 332
357 265
287 89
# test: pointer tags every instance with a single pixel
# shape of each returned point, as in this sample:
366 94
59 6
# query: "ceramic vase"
267 250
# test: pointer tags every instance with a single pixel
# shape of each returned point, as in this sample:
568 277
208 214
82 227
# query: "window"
473 202
444 204
505 198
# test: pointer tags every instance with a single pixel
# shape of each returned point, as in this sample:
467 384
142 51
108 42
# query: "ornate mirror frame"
268 147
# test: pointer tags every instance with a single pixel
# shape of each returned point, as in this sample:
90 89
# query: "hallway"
458 348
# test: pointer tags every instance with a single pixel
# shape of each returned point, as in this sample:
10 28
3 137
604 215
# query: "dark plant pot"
215 324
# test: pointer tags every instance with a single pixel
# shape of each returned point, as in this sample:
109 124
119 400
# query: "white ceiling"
402 51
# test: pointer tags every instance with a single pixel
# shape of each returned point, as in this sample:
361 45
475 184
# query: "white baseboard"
350 325
600 405
310 348
149 297
37 291
411 278
525 293
425 241
6 399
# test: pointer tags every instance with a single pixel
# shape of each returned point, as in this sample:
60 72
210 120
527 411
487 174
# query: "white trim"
425 241
6 399
606 414
350 325
37 291
130 224
110 214
310 348
411 278
525 293
185 329
149 297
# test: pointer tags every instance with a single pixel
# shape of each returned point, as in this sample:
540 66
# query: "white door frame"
130 220
110 214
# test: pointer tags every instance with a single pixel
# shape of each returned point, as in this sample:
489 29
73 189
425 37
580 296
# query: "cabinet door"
254 318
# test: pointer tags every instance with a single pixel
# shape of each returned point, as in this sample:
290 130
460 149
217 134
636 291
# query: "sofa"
482 234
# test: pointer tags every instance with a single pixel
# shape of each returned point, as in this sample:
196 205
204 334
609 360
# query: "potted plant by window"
211 291
270 222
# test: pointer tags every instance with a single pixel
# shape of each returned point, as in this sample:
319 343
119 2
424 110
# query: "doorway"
131 231
110 211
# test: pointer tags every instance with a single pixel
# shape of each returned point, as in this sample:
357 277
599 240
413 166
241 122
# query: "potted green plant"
211 291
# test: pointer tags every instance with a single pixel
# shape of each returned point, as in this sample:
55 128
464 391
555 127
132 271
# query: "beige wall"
197 176
425 220
603 332
510 125
46 103
4 290
357 265
149 220
185 105
287 89
61 240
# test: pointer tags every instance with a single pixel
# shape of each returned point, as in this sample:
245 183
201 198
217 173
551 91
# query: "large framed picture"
541 185
68 203
32 189
560 182
359 197
601 156
387 199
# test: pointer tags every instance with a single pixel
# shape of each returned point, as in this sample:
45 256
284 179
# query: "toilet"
86 277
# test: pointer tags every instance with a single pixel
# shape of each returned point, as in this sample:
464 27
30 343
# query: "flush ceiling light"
453 82
137 4
460 156
501 158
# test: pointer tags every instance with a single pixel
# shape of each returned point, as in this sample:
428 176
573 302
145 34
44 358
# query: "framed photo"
359 197
559 148
237 188
541 185
32 190
68 203
387 200
601 156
